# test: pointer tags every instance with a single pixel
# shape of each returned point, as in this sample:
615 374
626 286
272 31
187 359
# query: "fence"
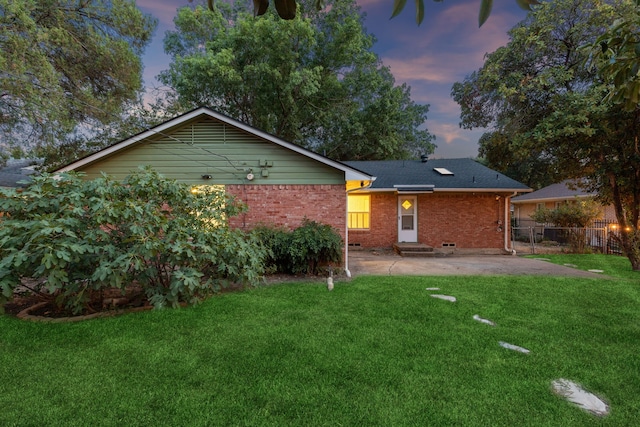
599 237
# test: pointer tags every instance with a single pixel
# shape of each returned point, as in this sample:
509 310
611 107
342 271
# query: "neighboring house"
17 171
551 197
282 183
452 205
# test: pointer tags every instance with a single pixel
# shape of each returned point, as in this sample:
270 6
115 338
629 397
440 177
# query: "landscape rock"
574 393
485 321
444 297
513 347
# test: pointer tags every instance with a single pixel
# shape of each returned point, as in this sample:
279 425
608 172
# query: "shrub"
81 237
276 242
301 251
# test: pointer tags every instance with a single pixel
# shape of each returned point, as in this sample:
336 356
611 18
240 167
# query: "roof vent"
424 158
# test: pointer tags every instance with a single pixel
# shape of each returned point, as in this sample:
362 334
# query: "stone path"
571 391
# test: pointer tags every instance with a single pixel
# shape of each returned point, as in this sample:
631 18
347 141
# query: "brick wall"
288 205
383 223
469 221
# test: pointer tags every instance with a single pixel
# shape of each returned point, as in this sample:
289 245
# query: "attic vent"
443 171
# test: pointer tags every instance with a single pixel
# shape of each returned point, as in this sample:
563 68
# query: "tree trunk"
630 242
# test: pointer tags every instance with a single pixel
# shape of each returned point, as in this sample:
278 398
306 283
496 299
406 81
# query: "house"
551 197
281 183
451 205
456 204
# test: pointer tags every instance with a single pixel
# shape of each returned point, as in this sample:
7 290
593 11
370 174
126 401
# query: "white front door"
407 219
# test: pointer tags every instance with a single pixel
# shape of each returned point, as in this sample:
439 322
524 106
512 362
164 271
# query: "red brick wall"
288 205
383 222
469 221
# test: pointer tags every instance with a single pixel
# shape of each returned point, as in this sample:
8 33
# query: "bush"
84 237
276 242
304 250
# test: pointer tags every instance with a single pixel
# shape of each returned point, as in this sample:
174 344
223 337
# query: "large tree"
65 64
544 104
312 80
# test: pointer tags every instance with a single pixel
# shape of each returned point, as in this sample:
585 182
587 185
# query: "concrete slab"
390 264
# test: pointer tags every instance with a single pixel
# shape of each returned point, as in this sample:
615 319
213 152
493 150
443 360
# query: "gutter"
346 225
507 226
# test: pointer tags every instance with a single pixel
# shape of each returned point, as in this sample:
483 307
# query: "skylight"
443 171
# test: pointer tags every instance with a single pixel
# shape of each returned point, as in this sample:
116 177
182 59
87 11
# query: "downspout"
507 224
346 227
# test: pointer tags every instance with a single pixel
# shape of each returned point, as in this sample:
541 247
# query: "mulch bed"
41 307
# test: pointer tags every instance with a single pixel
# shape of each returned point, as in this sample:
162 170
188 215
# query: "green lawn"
376 351
611 265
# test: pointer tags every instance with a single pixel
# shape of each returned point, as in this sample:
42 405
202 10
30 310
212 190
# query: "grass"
611 265
376 351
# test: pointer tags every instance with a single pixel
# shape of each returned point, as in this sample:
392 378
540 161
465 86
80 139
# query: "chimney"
424 158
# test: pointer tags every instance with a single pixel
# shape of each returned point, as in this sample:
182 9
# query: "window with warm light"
216 213
359 208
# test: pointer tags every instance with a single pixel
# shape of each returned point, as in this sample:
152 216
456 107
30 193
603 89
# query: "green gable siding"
209 147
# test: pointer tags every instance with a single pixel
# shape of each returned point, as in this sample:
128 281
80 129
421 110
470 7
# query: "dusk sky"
430 58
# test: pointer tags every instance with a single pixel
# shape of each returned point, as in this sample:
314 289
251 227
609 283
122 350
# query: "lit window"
359 207
210 214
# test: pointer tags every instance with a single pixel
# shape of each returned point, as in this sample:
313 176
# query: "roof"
17 170
351 173
553 192
419 176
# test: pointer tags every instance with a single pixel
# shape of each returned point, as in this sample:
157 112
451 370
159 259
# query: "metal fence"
599 237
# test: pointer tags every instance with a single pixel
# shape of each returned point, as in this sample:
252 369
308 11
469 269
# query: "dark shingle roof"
467 175
560 191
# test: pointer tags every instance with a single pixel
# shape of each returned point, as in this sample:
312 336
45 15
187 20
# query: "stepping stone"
513 347
485 321
433 289
444 297
574 393
571 265
596 271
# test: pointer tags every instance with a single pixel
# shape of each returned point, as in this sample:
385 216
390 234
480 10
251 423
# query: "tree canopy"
616 54
547 108
312 80
64 64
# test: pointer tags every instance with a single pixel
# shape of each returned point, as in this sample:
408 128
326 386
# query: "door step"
414 250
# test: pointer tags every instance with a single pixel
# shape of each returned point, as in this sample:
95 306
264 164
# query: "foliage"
314 245
312 80
67 64
616 54
574 217
276 241
576 213
82 237
287 8
546 106
304 250
139 116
